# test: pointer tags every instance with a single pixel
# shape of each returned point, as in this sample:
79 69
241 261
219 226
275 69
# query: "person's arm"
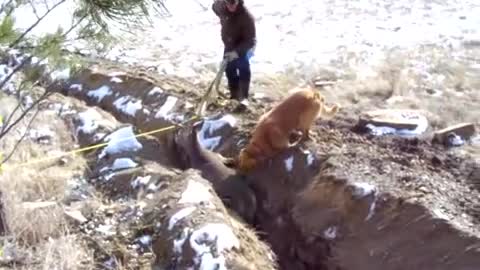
248 36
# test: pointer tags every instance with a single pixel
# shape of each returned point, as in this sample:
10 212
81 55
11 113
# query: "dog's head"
246 162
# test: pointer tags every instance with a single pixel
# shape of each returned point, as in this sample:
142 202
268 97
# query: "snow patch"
106 230
88 121
455 140
126 105
76 87
116 73
289 163
145 240
440 214
195 193
330 233
119 141
116 80
210 126
310 157
63 74
210 240
361 190
100 93
179 216
169 104
178 243
5 71
108 176
61 109
141 180
156 90
27 101
259 95
152 187
371 210
120 164
42 135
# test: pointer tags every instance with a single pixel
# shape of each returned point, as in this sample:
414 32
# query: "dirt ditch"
346 201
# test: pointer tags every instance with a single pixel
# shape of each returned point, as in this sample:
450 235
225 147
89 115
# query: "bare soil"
350 200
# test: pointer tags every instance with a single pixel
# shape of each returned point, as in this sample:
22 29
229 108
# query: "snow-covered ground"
304 33
428 50
300 34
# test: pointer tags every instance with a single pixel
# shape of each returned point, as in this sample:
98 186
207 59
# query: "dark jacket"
238 28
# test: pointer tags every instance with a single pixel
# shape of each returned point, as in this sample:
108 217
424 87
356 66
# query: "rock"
37 205
454 135
323 83
395 118
394 121
75 215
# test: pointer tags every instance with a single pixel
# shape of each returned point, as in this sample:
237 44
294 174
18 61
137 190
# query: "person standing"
239 38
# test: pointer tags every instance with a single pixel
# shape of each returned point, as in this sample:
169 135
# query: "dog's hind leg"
278 140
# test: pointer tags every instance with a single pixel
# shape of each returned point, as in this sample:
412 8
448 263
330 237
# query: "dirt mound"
347 201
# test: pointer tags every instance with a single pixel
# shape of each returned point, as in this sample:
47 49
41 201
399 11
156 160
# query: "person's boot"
233 93
244 87
234 90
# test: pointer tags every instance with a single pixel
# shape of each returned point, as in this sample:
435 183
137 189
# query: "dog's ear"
318 95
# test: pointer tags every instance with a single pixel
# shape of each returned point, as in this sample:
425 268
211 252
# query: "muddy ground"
346 201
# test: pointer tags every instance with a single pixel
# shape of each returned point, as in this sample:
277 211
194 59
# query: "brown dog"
296 112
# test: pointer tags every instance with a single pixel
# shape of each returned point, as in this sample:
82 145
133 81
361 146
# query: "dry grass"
441 82
65 252
41 230
429 78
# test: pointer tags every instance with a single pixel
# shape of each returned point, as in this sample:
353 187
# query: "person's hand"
230 56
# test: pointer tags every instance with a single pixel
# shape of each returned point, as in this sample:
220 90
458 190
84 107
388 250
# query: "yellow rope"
84 149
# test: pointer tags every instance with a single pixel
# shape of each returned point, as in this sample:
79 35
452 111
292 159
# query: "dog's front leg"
329 112
227 161
306 135
299 139
230 162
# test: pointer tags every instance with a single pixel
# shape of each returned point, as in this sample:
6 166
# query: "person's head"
231 5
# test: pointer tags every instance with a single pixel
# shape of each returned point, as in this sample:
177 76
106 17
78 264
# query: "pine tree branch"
46 3
34 9
17 143
22 36
18 67
10 116
4 6
45 95
15 70
5 128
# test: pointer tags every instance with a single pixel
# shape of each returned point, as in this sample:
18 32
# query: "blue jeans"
239 75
